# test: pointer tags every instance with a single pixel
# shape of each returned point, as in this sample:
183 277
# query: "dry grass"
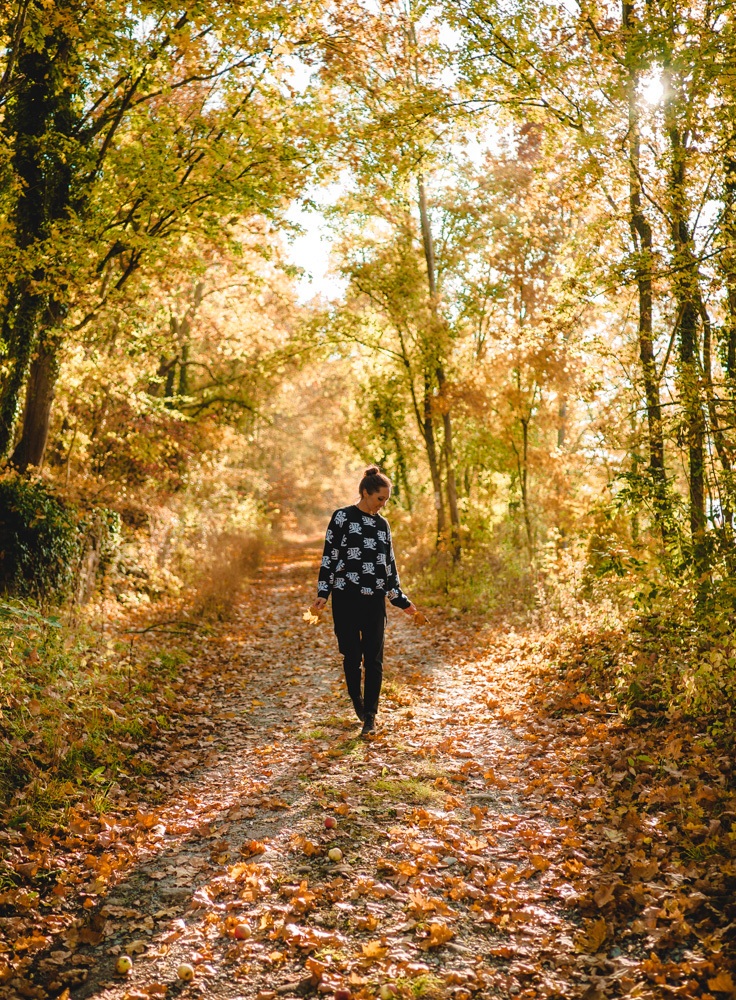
233 558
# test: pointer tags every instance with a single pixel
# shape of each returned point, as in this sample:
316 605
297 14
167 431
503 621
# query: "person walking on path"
359 570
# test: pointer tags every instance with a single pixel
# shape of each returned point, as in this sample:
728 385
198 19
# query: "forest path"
464 872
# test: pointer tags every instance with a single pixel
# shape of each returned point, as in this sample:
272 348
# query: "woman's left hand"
413 611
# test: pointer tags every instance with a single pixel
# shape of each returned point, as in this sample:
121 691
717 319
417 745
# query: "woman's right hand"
319 604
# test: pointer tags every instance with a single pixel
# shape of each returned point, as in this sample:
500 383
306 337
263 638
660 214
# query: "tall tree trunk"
686 290
687 296
424 415
641 232
450 471
727 263
695 428
37 123
430 445
437 332
39 399
20 332
524 482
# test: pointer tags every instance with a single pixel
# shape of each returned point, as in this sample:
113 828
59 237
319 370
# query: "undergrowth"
644 639
53 546
75 707
79 701
651 649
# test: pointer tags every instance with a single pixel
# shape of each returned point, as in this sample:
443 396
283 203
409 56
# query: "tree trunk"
695 430
437 331
524 487
184 370
562 422
39 398
20 332
38 121
641 233
432 458
727 263
687 295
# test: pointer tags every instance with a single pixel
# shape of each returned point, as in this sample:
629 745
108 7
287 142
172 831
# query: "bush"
76 707
49 546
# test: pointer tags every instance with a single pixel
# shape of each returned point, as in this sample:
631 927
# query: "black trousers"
360 624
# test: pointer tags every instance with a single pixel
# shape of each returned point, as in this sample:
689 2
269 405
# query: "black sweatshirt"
359 556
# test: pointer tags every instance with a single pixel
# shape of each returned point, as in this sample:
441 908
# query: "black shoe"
369 726
359 709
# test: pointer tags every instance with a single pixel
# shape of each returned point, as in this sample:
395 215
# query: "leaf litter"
504 835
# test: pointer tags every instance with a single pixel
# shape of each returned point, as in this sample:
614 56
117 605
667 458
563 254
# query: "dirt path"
469 867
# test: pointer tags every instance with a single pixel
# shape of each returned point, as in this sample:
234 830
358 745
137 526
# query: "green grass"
406 790
428 769
313 734
424 985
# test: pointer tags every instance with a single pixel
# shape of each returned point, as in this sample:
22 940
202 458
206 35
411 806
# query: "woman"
359 570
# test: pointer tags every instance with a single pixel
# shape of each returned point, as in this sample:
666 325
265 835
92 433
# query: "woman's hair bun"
373 480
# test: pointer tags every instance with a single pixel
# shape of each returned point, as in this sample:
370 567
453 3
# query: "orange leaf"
251 847
439 934
374 950
316 968
581 701
591 939
605 894
722 983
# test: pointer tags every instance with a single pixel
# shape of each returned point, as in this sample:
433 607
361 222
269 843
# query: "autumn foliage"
529 322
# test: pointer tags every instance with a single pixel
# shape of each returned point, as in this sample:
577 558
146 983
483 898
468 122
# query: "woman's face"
375 501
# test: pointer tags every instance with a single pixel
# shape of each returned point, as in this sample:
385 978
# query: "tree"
586 72
127 127
386 68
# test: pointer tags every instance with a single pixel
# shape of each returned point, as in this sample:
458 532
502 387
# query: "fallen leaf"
374 950
439 934
722 983
592 937
605 894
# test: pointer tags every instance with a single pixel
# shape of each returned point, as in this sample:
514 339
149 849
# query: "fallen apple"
387 992
242 932
123 965
342 994
330 822
185 972
335 854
